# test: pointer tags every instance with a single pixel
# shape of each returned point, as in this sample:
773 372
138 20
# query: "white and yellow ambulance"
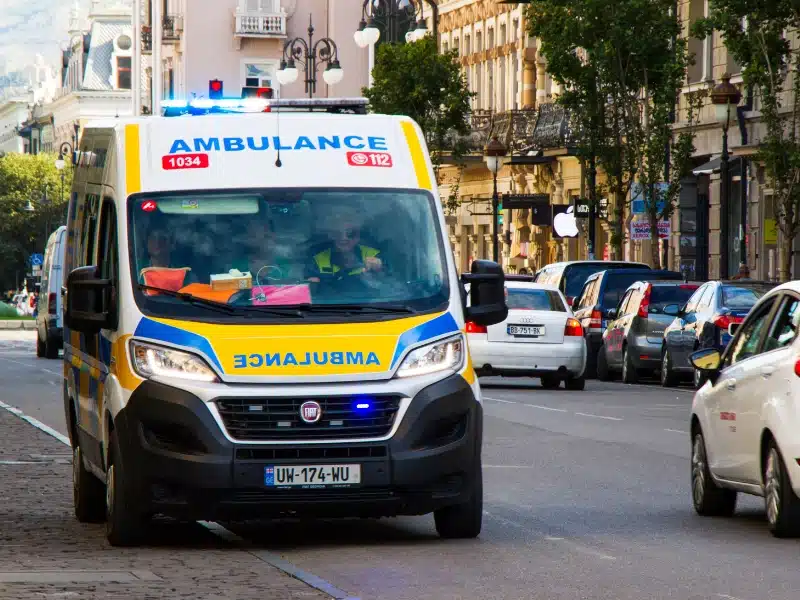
263 318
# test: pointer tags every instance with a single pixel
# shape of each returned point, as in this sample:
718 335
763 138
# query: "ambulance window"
89 230
108 242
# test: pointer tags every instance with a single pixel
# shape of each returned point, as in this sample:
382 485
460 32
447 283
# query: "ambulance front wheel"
125 524
463 521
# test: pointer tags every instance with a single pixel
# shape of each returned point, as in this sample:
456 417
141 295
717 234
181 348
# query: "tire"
575 385
462 521
782 504
603 372
550 382
88 492
709 499
125 525
39 347
668 377
629 374
50 348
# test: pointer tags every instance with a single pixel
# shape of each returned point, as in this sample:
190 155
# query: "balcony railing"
260 24
522 131
172 27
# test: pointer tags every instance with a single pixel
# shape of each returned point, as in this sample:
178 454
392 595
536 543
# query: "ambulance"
263 319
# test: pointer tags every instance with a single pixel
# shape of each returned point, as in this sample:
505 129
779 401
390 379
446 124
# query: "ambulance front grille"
270 419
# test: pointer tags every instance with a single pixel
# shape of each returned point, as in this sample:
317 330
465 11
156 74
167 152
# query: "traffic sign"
37 259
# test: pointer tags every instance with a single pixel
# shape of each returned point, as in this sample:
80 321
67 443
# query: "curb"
18 324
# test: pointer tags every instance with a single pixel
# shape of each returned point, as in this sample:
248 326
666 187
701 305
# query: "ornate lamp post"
309 54
393 13
725 97
494 154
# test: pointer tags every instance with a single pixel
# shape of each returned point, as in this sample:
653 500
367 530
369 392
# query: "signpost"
36 259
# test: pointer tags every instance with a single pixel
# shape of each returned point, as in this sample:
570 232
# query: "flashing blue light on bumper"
362 405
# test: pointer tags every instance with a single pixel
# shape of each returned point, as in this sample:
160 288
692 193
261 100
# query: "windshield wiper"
338 308
221 306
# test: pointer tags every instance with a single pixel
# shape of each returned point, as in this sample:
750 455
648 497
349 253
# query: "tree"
755 33
25 178
418 81
621 64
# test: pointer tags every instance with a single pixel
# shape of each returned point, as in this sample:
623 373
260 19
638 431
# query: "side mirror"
708 362
611 313
487 293
576 302
673 310
89 302
733 328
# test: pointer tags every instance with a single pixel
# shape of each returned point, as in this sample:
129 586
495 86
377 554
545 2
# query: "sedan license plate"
526 330
312 476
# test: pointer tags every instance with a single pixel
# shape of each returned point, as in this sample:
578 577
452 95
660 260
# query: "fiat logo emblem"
310 411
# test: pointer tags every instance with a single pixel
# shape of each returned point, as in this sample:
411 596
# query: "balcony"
523 131
172 28
259 19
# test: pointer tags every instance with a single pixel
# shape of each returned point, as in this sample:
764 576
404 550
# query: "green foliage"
622 64
417 81
755 34
25 178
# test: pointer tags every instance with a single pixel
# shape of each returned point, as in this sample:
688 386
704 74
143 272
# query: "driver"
344 255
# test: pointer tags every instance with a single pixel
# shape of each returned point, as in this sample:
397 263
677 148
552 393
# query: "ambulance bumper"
178 462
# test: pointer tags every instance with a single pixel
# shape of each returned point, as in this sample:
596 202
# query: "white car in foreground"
540 338
745 423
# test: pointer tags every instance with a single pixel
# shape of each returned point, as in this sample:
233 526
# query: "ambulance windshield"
264 253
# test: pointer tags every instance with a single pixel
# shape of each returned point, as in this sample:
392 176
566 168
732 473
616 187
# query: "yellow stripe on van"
417 156
133 160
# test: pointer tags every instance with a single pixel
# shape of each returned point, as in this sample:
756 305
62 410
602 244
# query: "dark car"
600 294
569 277
632 341
703 322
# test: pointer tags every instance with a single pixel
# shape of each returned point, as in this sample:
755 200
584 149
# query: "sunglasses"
348 234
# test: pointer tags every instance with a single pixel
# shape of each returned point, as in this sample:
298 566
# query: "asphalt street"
586 497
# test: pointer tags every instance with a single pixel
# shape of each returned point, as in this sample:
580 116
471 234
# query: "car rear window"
576 275
742 297
521 299
616 284
663 295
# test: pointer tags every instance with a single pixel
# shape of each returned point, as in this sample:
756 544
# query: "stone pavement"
46 553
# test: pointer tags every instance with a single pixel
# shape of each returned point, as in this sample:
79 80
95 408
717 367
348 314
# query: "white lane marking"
598 416
581 548
677 431
505 521
546 408
279 563
18 362
508 467
728 597
36 423
499 400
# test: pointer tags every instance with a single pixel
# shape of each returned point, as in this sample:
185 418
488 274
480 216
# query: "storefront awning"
708 168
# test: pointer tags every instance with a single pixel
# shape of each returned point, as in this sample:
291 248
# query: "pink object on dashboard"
265 295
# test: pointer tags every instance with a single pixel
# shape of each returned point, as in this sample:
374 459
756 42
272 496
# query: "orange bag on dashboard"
203 290
164 278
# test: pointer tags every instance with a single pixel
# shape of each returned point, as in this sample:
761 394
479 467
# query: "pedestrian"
743 274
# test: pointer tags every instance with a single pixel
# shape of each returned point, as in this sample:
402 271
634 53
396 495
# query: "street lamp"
494 154
724 97
308 54
392 13
60 165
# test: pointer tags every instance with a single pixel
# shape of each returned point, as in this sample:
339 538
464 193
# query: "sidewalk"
46 553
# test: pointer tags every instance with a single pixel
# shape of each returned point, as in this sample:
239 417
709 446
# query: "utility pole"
136 62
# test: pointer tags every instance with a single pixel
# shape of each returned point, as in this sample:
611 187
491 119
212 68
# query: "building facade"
241 42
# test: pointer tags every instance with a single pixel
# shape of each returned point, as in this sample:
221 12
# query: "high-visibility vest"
323 261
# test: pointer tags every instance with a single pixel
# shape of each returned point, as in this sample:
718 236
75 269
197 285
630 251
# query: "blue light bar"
204 106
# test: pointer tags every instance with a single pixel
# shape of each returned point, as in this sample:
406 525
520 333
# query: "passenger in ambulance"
161 273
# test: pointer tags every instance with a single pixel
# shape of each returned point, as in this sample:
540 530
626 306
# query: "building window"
124 72
260 74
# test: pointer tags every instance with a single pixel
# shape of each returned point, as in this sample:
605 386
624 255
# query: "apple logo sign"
565 224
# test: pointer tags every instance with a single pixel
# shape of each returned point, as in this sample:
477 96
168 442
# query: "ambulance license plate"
316 476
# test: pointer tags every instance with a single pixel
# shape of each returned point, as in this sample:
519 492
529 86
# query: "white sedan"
745 423
540 338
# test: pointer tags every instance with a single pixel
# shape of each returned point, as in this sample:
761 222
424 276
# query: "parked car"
569 277
540 338
703 323
632 341
745 418
600 295
49 331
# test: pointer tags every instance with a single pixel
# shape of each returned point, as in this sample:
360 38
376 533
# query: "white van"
264 318
49 329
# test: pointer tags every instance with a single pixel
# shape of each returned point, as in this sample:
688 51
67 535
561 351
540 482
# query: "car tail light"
596 320
723 321
475 328
797 368
51 303
570 300
645 304
573 328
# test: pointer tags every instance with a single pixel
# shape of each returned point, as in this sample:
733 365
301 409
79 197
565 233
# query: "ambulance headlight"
444 355
150 360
